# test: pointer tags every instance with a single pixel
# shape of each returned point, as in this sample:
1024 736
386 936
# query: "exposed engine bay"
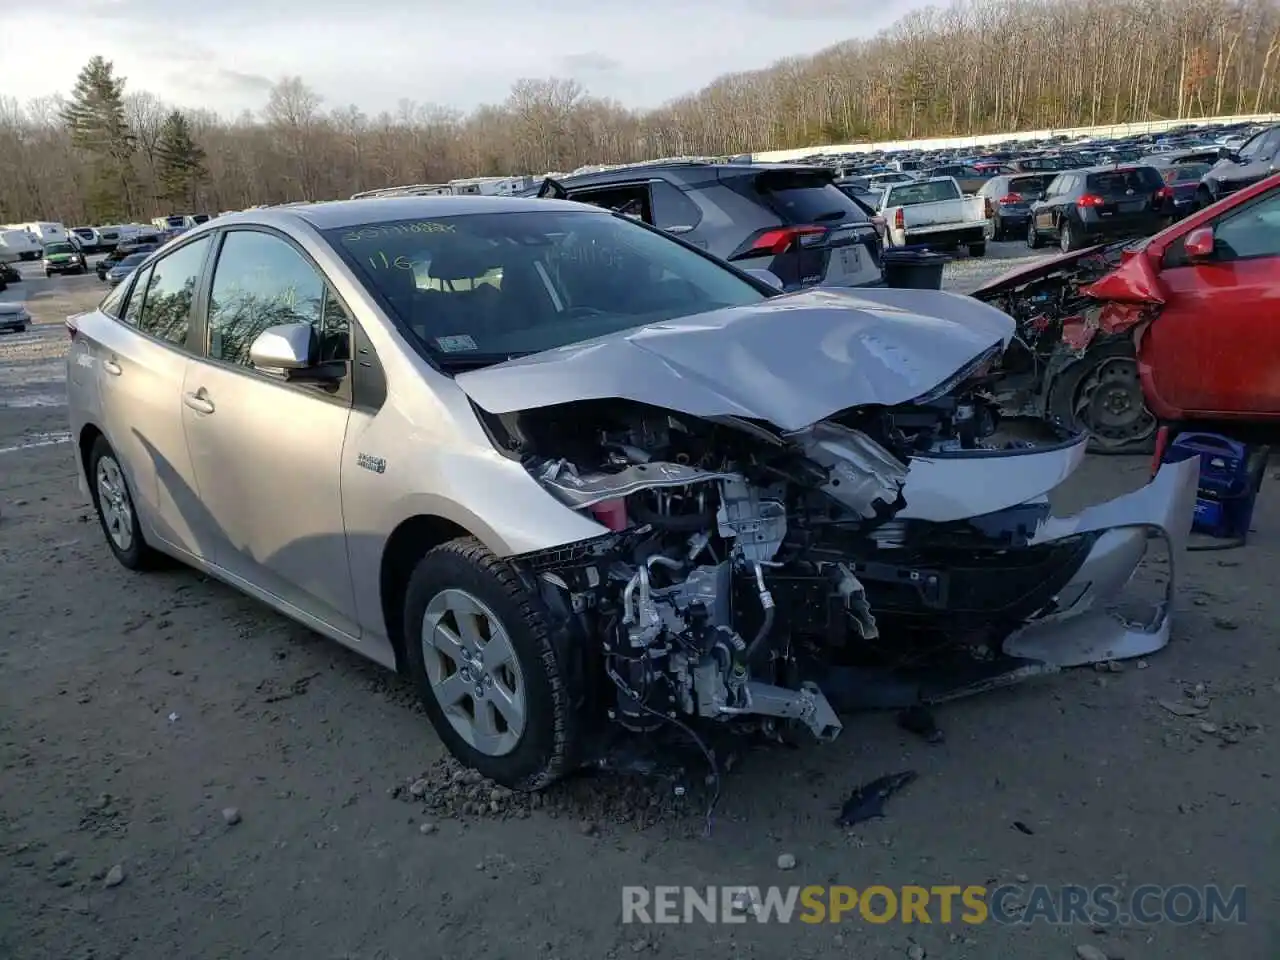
1072 358
744 562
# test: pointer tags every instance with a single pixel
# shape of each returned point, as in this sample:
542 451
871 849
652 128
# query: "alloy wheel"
474 673
114 503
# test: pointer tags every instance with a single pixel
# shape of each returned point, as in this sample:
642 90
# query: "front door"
268 453
1213 349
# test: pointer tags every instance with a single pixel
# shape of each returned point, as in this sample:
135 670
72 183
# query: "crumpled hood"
791 360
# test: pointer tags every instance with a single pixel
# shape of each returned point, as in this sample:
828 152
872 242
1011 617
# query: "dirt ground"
136 711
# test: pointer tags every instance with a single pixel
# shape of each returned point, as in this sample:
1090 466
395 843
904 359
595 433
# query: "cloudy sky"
224 54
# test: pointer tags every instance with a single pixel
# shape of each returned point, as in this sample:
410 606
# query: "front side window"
170 289
261 281
1251 232
476 289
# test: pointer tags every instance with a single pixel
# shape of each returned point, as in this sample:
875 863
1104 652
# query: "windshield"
59 248
1031 188
931 192
477 289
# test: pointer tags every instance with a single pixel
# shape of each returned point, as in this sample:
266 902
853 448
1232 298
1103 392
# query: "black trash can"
913 269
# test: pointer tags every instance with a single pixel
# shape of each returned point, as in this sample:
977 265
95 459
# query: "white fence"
945 143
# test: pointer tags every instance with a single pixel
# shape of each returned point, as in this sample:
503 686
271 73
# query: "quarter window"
672 209
261 281
169 289
133 308
112 304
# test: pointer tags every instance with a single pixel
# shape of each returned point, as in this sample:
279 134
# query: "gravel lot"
187 775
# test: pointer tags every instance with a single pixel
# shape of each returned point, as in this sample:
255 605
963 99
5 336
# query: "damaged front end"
750 575
1073 357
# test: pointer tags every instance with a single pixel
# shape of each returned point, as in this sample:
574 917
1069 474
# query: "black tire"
139 555
48 274
1034 240
978 249
1067 393
991 232
550 744
1066 236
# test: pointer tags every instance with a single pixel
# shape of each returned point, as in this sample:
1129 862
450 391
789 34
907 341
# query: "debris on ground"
1087 951
230 816
449 791
915 952
786 861
919 720
114 877
1023 828
867 801
1179 709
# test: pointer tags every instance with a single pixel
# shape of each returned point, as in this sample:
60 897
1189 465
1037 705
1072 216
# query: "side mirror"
289 346
766 276
1199 244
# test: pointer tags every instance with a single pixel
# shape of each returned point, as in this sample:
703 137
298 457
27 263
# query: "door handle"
112 367
198 402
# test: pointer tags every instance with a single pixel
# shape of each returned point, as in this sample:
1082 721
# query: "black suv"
1087 206
790 220
143 244
1257 158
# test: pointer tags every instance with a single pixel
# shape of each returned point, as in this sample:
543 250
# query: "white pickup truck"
934 213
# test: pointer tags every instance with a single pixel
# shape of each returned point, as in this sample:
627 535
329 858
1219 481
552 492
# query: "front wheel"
978 249
494 682
1034 240
1102 393
48 274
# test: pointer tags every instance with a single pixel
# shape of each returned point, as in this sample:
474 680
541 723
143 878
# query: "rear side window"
170 288
799 197
1118 183
1184 172
910 194
1032 188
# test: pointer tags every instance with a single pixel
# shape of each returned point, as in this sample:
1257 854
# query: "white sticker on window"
456 343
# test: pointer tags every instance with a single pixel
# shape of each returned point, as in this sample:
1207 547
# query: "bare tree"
977 66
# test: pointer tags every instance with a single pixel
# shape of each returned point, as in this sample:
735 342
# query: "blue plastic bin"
1230 475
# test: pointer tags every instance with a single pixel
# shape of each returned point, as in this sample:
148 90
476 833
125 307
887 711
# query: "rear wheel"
113 500
1066 236
492 678
1102 394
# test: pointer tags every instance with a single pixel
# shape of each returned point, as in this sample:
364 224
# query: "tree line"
979 66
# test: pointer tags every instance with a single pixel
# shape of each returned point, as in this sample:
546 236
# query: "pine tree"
95 118
179 160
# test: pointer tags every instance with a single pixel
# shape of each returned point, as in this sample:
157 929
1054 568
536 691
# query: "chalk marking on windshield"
396 230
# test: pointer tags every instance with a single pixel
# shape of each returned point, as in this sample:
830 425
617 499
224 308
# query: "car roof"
337 214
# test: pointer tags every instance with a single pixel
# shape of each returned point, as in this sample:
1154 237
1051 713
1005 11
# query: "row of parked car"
1063 193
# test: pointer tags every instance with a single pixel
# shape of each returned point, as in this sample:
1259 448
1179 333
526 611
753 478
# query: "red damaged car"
1182 326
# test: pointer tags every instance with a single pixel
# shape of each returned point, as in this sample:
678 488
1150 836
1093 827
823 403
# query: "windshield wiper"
473 361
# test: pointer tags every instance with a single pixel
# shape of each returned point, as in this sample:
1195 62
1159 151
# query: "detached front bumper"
1096 617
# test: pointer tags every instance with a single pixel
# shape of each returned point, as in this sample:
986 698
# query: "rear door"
812 232
1213 349
142 361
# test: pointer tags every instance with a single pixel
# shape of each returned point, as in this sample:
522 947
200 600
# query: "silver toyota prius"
581 480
